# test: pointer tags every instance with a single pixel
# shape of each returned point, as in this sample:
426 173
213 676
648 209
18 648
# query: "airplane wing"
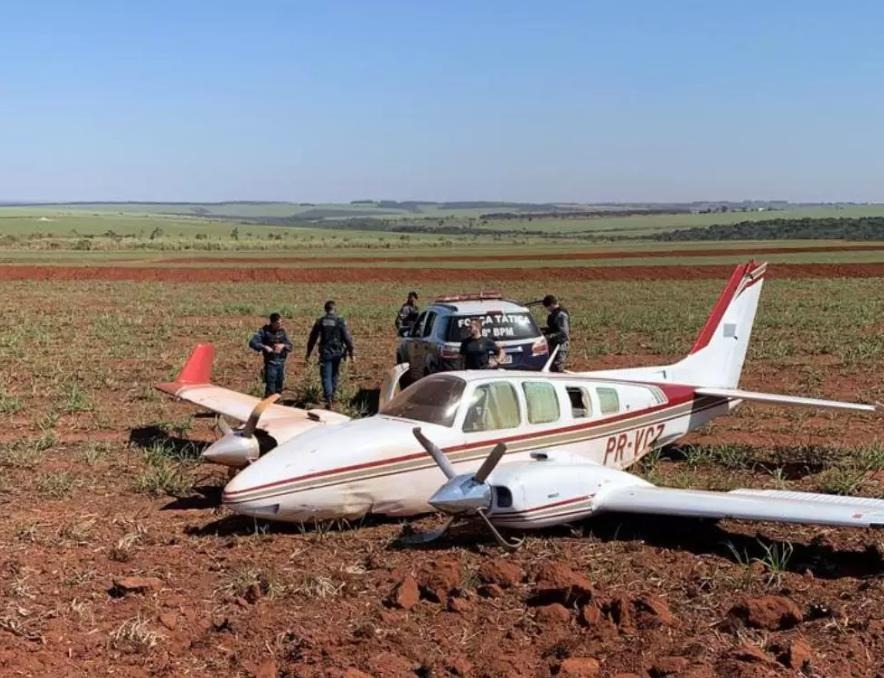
782 399
193 384
768 505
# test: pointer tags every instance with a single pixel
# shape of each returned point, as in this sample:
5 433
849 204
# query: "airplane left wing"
193 384
766 505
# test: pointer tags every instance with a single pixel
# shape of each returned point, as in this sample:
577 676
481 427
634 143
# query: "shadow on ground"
156 437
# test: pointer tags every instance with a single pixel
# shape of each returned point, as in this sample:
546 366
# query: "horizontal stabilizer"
776 399
773 506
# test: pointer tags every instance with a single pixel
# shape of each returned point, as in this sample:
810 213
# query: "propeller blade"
438 455
252 423
419 538
223 426
490 462
509 545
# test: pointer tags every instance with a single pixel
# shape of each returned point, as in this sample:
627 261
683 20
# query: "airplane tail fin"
717 356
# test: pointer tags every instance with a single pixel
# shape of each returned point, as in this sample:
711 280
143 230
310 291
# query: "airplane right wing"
766 505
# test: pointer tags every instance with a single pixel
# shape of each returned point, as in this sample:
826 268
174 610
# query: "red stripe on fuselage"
685 394
563 502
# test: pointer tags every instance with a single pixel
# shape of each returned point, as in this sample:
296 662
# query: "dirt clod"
767 612
490 591
651 612
668 666
750 654
590 614
795 653
558 583
439 579
405 594
501 572
123 586
459 666
580 667
553 613
459 605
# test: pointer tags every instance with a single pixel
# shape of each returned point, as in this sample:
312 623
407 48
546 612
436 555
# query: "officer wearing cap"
335 343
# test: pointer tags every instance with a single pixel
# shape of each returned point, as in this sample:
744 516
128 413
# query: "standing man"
480 353
557 331
334 344
273 343
408 312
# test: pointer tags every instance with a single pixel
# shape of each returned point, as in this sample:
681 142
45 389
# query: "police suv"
432 344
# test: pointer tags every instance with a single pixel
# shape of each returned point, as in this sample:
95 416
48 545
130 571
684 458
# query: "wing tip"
198 368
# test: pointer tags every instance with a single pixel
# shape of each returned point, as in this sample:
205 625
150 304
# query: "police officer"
477 350
557 331
408 312
273 343
334 344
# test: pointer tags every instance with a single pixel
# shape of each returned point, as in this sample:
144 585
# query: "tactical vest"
331 337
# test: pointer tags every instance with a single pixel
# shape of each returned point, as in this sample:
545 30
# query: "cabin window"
609 401
493 406
581 405
434 399
543 403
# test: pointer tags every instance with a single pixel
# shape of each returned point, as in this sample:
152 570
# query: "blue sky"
579 101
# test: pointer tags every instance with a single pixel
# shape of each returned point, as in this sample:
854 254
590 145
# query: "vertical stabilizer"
717 356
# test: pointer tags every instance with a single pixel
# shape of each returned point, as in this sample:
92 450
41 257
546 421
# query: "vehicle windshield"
434 399
496 325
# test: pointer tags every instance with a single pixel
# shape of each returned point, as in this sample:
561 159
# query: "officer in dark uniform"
335 343
408 312
273 343
479 352
557 331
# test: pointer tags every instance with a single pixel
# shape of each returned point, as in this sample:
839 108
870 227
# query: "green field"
182 226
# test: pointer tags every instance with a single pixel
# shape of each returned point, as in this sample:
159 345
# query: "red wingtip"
198 368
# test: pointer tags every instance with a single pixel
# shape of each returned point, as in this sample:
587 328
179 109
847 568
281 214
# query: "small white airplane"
520 449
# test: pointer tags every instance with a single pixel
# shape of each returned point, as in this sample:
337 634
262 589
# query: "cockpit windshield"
434 399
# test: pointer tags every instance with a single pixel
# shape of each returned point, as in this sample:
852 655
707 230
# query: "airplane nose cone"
232 449
247 499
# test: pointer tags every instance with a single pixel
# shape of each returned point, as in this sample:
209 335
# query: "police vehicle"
432 344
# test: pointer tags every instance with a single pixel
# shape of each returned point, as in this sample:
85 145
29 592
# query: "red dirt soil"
557 256
341 275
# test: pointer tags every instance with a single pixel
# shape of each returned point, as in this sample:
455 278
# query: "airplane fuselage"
375 465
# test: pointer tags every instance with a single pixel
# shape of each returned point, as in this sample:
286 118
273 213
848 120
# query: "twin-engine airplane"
520 449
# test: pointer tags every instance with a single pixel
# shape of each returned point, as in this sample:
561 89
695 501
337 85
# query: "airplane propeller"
463 495
238 447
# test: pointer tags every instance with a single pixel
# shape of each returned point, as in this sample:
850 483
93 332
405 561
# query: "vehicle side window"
493 406
428 324
543 403
581 405
609 401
